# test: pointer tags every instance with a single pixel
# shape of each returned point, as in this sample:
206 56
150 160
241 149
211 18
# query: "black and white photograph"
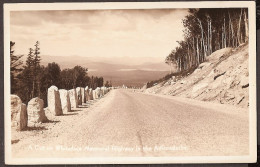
151 82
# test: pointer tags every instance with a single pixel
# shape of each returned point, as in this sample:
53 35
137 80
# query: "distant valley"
126 71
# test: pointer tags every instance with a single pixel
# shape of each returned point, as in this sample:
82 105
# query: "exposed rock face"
73 98
19 117
198 87
65 101
35 111
79 96
83 95
222 78
54 102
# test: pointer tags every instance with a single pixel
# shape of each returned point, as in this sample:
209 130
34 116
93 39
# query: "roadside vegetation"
31 79
205 31
208 30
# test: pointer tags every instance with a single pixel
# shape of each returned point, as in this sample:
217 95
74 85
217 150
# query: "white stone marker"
87 95
90 92
98 94
83 96
19 116
65 101
35 111
73 98
79 96
94 94
54 102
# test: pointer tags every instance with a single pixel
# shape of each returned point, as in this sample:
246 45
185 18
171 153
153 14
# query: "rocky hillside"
222 78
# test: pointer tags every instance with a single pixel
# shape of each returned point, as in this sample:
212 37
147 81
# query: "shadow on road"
35 128
75 110
69 114
51 121
83 106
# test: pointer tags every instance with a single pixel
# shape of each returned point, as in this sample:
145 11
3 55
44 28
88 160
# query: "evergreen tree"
36 70
26 78
15 68
107 84
30 58
34 79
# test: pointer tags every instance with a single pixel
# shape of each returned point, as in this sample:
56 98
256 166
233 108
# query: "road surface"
127 123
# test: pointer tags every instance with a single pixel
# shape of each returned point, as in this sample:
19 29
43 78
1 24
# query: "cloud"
107 33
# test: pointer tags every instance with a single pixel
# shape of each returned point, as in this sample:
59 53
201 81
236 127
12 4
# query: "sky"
99 34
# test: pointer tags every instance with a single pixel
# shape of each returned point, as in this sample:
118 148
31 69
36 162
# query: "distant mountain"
130 78
93 62
127 72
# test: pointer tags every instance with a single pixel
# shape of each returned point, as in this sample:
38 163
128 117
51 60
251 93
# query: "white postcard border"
133 5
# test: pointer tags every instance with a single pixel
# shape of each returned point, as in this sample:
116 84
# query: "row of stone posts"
59 102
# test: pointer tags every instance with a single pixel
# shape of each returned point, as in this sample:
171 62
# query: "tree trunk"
194 51
33 88
239 29
229 31
224 33
198 52
232 32
202 40
246 26
210 33
209 46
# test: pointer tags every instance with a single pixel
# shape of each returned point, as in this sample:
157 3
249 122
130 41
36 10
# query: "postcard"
130 82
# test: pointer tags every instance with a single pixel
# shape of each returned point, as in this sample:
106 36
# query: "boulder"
65 100
19 117
35 111
54 101
79 95
73 98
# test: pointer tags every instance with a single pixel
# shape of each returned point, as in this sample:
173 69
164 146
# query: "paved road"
126 123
